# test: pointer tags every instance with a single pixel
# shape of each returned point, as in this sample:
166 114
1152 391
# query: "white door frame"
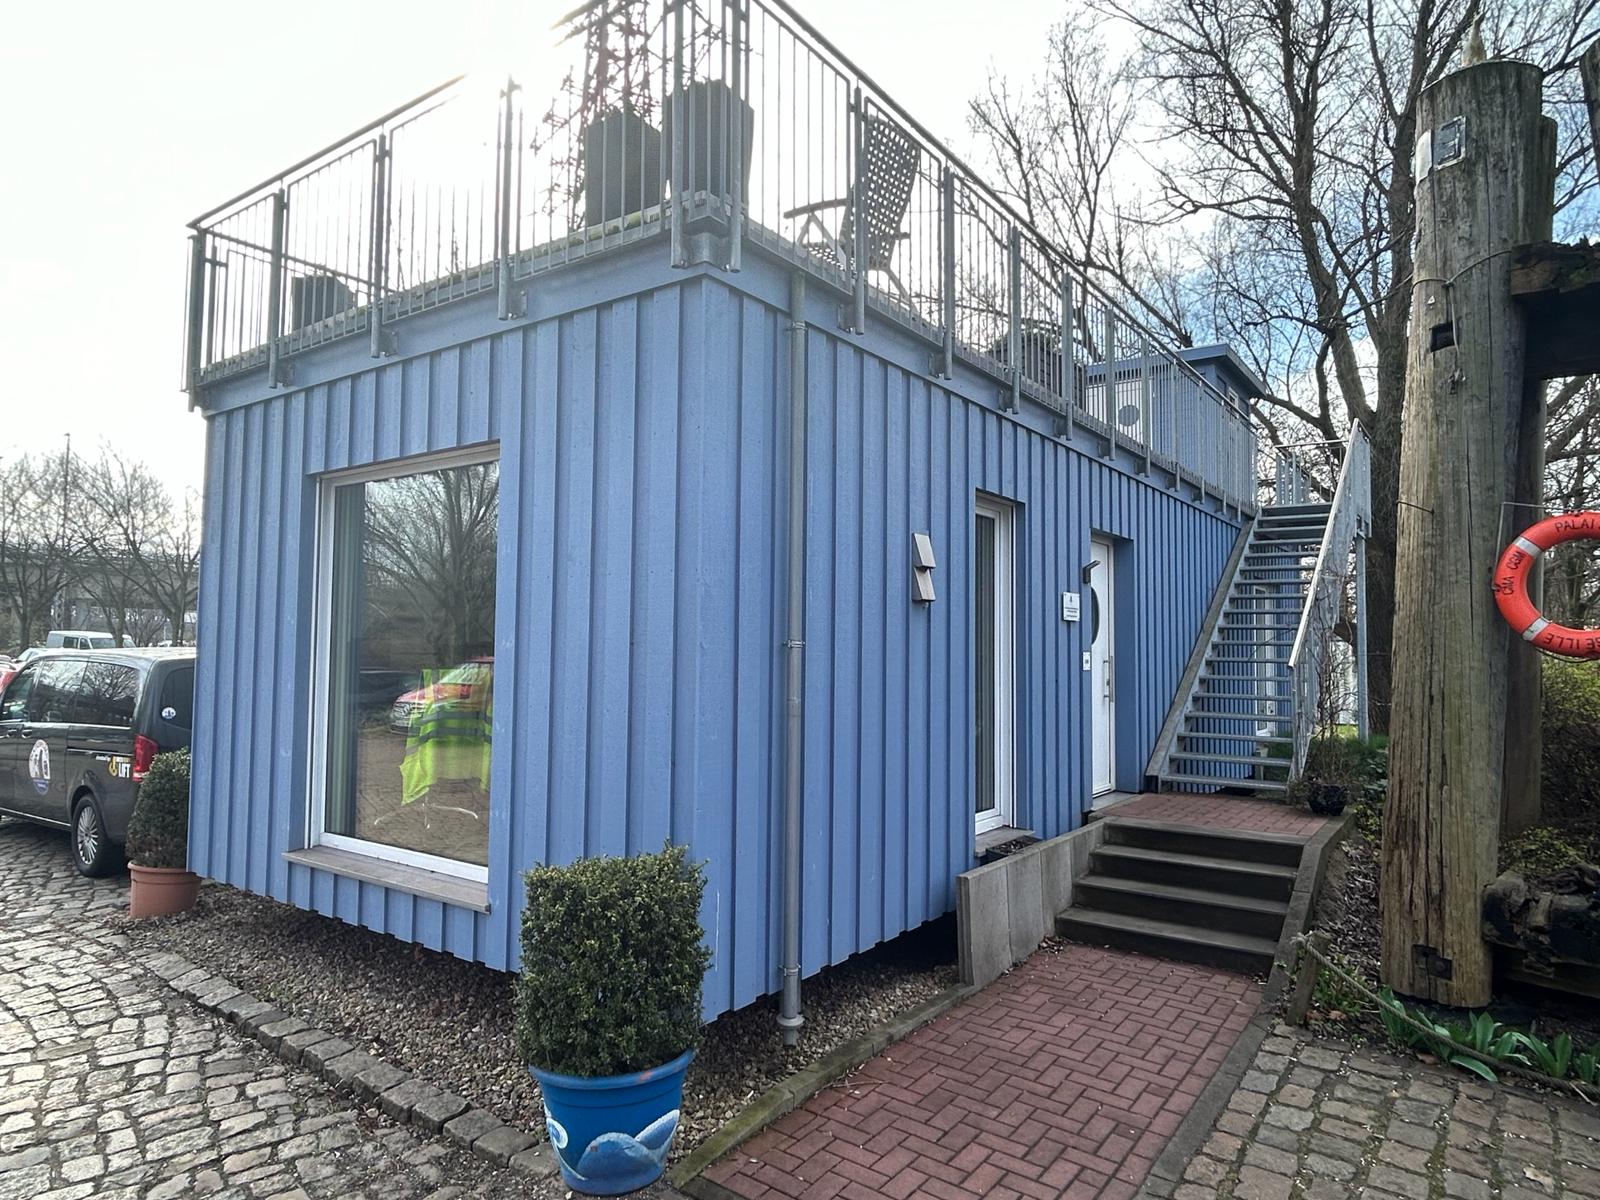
1003 514
1103 676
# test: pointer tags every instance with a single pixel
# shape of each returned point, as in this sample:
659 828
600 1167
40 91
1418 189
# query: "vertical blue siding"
639 620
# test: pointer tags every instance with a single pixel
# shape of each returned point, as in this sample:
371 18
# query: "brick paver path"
1318 1120
1222 812
113 1086
1063 1078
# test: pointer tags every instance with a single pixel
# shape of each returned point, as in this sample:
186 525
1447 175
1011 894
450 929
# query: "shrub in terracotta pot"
608 1010
158 840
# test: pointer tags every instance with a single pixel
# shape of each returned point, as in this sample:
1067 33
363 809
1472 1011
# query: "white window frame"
321 647
1003 513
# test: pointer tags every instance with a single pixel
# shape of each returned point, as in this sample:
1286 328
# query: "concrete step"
1265 881
1206 841
1168 939
1190 906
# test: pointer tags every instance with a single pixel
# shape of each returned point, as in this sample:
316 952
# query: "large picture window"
408 565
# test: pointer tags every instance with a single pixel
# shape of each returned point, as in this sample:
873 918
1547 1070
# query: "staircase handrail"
1349 517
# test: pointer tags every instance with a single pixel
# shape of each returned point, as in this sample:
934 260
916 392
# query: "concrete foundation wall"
1006 908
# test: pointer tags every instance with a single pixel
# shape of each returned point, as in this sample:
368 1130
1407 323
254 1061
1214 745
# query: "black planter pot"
621 166
710 104
1328 799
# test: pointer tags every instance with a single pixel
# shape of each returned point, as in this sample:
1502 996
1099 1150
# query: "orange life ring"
1511 585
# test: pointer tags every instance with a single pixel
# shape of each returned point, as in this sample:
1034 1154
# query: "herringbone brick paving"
1221 812
1063 1078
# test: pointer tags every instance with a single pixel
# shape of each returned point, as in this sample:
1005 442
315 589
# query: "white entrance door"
1103 685
993 666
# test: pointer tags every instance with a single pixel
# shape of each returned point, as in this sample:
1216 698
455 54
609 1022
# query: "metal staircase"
1245 709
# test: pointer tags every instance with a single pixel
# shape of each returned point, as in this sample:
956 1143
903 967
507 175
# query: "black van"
78 729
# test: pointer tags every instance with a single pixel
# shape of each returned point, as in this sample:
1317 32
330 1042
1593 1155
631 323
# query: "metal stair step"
1297 510
1167 939
1215 736
1254 785
1249 760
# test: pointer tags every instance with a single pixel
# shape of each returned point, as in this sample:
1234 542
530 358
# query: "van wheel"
92 851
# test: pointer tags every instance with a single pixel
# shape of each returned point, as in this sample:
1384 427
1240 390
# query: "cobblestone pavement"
1319 1120
1063 1078
111 1085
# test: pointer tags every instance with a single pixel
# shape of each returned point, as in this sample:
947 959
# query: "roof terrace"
712 126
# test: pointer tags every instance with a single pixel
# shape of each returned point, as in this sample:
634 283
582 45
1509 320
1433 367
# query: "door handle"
1111 679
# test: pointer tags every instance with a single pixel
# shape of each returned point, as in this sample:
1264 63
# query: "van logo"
39 766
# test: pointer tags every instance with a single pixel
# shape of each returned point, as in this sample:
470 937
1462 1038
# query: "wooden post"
1479 169
1589 68
1305 978
1520 800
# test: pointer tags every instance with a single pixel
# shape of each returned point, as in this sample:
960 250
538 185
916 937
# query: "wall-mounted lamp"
1088 569
922 565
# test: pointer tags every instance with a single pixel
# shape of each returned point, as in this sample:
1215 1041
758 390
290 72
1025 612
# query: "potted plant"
617 166
709 106
158 840
608 1010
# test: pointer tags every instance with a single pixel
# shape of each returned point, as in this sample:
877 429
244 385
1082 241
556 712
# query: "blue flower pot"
612 1134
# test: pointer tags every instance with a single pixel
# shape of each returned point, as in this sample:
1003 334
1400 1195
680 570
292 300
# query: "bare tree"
38 541
1282 165
141 551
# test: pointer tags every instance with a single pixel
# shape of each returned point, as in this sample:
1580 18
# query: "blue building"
817 514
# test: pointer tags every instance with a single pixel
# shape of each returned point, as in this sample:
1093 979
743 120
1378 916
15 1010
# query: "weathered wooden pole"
1520 799
1589 68
1479 169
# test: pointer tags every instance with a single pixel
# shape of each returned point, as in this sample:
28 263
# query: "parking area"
111 1085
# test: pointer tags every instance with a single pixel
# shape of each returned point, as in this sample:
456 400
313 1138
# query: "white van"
78 639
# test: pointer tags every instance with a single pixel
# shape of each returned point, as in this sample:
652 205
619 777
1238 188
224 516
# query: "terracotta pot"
161 891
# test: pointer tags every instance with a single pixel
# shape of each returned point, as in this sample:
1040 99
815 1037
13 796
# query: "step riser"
1201 916
1211 843
1226 957
1210 879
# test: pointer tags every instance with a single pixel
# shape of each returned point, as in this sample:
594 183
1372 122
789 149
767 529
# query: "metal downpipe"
789 1018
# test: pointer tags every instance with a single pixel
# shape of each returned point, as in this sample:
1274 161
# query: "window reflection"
412 661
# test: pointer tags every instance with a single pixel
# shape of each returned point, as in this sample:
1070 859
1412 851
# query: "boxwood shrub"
612 963
158 827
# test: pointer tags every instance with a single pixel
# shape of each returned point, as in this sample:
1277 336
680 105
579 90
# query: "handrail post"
506 307
1145 396
858 195
1108 354
1363 716
195 346
947 225
680 165
1014 255
379 268
735 134
1069 360
280 213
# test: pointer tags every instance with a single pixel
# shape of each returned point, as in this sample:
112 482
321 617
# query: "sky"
125 121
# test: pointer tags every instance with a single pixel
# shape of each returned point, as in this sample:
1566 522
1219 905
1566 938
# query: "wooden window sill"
430 885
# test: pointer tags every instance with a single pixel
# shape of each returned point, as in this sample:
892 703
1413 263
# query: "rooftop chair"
888 173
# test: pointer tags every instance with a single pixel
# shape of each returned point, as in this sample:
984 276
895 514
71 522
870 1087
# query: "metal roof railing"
739 118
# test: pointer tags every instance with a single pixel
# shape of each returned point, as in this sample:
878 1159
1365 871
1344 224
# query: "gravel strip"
449 1022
